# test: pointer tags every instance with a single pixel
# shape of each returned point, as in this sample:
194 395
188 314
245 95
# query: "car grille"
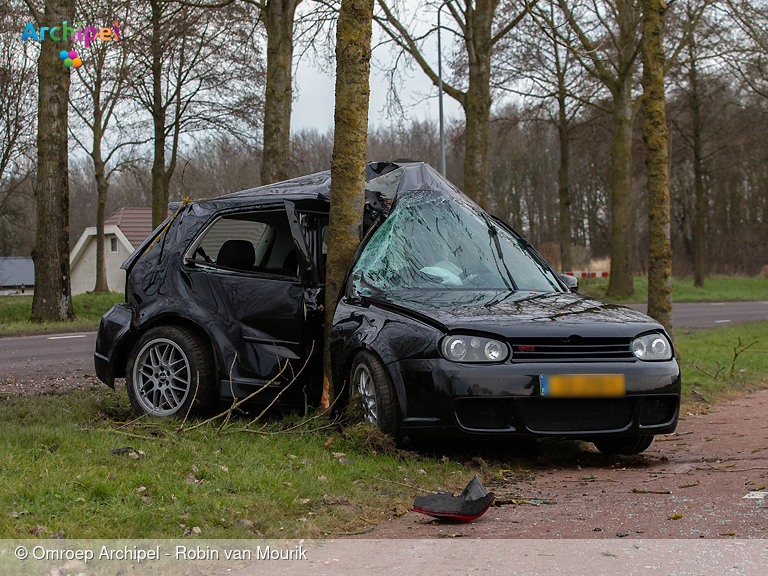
580 415
572 350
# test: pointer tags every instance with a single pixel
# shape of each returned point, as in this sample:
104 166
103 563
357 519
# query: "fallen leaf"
37 529
322 479
225 469
140 489
196 530
727 533
133 455
194 469
675 517
304 500
291 456
339 454
141 452
329 441
244 522
421 471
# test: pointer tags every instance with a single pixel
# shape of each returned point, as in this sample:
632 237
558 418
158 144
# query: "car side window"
259 242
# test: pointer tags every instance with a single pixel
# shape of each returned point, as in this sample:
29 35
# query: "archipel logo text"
86 35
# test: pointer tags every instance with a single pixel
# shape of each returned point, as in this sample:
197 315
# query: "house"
124 231
17 275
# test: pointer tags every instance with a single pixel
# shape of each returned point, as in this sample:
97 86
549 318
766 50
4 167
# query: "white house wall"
83 271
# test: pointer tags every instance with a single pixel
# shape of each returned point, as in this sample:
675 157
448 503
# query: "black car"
449 320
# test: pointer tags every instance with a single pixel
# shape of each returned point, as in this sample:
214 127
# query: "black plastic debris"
116 451
467 506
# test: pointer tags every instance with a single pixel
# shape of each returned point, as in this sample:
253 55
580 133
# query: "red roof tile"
135 223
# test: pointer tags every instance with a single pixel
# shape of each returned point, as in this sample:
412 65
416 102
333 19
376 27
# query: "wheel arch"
345 369
188 324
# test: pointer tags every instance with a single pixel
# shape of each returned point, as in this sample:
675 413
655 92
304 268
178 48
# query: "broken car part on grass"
449 320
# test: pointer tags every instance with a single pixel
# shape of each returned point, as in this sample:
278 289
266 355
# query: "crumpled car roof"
384 180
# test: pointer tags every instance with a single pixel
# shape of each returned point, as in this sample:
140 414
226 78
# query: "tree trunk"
53 293
102 190
353 64
620 283
278 19
700 213
563 188
159 180
477 103
656 138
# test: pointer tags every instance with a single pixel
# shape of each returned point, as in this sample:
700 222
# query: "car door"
249 272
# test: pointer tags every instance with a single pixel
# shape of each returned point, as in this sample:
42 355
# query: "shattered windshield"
433 242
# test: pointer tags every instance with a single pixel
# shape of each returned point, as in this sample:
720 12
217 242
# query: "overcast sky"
313 108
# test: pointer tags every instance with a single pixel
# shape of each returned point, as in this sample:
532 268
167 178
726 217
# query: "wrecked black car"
448 320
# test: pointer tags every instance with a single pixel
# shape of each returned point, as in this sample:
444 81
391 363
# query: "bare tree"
199 71
53 292
353 66
17 112
551 79
100 93
480 26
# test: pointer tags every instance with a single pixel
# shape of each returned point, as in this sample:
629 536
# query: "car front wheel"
373 389
626 445
169 372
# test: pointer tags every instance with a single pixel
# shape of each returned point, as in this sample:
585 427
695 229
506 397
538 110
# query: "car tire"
169 373
371 387
626 445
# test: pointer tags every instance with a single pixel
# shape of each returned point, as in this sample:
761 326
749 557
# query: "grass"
56 471
89 308
58 477
706 355
714 289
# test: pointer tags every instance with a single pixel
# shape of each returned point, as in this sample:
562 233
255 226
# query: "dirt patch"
708 480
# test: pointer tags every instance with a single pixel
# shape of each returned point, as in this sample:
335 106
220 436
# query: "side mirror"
571 282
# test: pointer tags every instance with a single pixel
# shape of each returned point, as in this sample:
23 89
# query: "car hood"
520 314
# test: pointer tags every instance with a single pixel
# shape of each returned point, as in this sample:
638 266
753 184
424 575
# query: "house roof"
17 271
135 223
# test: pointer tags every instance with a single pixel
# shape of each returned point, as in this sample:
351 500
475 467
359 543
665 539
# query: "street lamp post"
440 88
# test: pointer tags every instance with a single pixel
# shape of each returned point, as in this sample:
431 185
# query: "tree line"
557 135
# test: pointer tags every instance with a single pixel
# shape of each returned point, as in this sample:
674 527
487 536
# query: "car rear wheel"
373 391
626 445
169 372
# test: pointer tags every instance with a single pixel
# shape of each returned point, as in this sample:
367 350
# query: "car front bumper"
505 399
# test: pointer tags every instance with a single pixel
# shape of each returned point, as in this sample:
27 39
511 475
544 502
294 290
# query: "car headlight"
474 349
652 347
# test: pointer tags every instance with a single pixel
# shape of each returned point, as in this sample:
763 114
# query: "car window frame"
190 263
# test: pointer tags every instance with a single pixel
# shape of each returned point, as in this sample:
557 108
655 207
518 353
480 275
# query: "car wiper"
494 234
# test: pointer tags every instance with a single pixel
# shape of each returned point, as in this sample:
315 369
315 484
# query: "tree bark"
53 293
159 187
278 17
620 283
102 191
656 138
564 194
700 213
477 104
353 64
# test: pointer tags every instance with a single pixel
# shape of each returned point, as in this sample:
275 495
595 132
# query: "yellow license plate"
583 386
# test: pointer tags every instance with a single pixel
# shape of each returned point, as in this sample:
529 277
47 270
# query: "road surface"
48 360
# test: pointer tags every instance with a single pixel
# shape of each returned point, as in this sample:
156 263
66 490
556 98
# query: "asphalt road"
47 363
705 314
49 358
